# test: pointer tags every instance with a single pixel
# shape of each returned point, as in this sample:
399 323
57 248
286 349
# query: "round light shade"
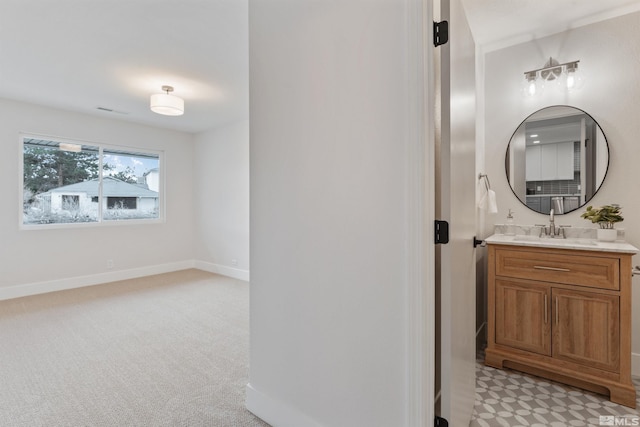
169 105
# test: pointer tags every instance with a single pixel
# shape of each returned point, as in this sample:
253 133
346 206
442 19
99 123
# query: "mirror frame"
506 161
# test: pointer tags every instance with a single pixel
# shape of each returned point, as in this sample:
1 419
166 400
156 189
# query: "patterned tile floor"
506 398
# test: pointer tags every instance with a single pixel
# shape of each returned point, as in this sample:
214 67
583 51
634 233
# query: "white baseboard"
94 279
274 412
235 273
635 364
27 289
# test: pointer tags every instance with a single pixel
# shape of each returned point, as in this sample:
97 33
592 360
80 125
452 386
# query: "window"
122 202
75 182
70 203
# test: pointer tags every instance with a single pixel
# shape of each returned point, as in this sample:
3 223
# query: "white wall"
330 157
29 257
221 204
608 54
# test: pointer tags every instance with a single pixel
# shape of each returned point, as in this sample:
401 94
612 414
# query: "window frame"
101 221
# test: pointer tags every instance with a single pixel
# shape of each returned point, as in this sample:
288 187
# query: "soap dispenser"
510 228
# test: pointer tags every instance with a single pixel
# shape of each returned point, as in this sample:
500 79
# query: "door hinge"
441 231
440 422
440 33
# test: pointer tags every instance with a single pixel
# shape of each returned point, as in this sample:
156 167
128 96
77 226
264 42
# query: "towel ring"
486 180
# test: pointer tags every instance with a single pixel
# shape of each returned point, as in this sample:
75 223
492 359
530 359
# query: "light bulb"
574 79
532 85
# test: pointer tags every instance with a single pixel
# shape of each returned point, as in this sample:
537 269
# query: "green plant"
604 216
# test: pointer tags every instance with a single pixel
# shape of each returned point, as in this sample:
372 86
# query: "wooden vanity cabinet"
523 318
587 328
562 314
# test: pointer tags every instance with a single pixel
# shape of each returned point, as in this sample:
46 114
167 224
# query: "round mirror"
557 159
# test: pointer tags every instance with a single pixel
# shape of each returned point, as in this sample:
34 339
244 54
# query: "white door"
455 202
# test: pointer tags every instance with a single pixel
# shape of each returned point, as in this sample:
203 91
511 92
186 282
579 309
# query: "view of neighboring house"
152 179
119 198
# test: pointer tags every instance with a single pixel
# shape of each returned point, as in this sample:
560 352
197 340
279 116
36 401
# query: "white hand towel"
481 194
493 206
486 197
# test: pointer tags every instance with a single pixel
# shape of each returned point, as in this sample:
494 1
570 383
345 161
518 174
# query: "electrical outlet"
109 264
234 262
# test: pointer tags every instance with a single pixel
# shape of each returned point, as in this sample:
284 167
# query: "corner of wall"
224 270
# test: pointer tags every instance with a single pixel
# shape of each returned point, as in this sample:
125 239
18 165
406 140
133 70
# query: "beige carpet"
165 350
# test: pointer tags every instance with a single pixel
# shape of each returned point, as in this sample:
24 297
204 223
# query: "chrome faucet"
552 224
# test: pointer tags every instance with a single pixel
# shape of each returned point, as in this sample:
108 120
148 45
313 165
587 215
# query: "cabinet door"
532 163
548 162
534 203
545 204
586 328
523 316
565 160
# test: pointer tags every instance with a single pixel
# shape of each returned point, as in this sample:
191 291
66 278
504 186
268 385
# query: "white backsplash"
570 232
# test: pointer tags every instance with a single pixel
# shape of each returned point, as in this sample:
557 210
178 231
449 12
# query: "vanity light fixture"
565 76
166 104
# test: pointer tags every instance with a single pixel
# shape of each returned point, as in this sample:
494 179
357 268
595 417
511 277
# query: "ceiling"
499 23
82 55
79 55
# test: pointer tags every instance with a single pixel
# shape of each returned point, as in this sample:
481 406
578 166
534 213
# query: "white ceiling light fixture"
166 104
76 148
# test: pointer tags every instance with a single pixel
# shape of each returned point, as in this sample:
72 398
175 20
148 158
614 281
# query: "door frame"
420 159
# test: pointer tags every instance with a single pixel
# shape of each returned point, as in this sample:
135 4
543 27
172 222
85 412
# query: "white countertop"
552 195
569 243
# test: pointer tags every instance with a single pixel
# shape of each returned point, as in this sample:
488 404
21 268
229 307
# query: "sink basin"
556 241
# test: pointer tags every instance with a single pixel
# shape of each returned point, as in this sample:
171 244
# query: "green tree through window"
46 168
